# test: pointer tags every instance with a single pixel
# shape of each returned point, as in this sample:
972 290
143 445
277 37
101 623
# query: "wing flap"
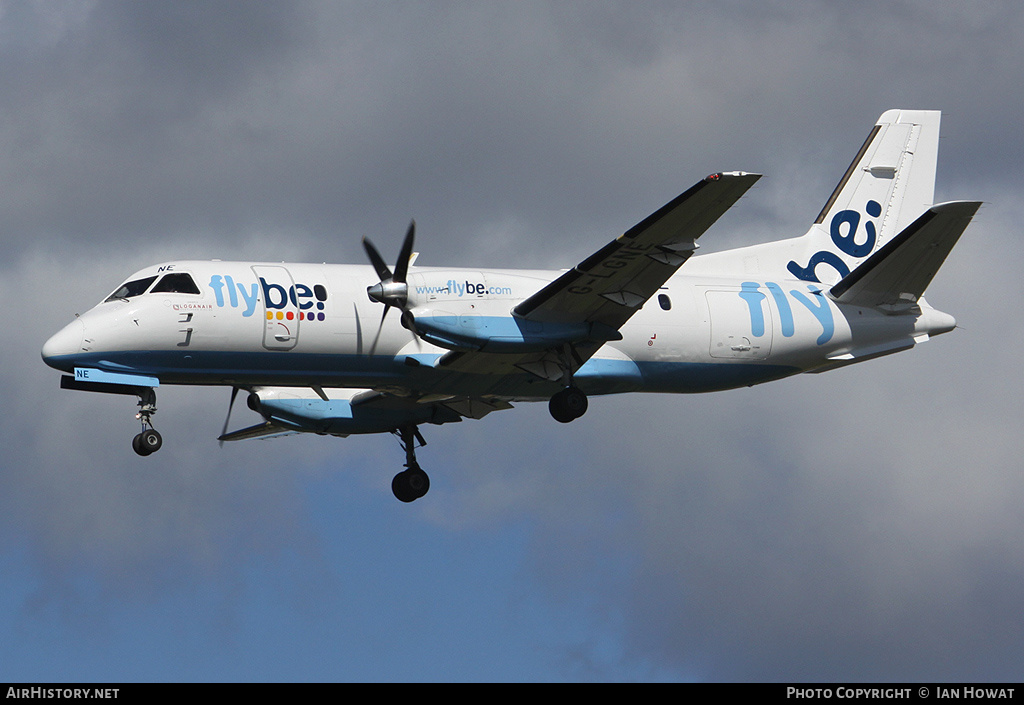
267 429
895 277
473 408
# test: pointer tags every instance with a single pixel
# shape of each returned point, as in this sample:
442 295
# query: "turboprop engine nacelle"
471 310
506 333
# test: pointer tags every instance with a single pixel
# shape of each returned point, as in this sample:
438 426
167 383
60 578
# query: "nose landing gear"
149 440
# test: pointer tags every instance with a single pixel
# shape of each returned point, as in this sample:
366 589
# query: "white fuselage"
314 325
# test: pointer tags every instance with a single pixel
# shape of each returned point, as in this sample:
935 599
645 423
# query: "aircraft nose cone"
65 343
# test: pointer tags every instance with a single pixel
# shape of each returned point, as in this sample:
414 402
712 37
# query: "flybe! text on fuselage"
277 295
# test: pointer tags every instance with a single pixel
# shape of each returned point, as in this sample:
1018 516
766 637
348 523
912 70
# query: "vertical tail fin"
888 185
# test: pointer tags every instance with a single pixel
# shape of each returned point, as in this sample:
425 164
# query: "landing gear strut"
149 440
412 483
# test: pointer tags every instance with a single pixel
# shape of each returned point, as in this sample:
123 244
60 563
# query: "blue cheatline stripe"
597 376
88 374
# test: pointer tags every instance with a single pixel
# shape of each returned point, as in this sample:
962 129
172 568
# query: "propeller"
231 404
392 290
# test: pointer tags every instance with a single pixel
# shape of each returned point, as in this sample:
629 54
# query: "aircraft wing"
612 284
895 277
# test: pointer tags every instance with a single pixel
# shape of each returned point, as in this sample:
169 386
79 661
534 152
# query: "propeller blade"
223 432
378 262
409 323
359 330
405 254
373 348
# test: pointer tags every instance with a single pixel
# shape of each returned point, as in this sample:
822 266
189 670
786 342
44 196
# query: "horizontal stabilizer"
895 277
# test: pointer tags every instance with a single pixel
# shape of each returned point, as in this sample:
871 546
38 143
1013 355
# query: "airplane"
316 350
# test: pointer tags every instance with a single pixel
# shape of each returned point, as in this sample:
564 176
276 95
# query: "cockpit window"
132 288
177 283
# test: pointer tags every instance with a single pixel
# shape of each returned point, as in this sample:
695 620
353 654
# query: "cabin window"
664 301
132 288
320 292
176 283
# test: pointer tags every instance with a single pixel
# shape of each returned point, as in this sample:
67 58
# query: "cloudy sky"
864 524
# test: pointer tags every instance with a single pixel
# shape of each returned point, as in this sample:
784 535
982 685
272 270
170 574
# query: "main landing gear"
412 483
568 404
149 440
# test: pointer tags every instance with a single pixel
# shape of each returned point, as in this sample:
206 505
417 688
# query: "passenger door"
280 309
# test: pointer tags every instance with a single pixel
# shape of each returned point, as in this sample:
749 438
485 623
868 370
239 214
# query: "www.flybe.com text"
465 289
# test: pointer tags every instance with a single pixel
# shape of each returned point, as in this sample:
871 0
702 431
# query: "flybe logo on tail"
843 230
278 299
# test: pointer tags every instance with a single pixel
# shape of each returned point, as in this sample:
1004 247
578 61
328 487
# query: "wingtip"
717 176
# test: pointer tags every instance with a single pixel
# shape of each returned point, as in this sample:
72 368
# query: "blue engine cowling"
504 334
